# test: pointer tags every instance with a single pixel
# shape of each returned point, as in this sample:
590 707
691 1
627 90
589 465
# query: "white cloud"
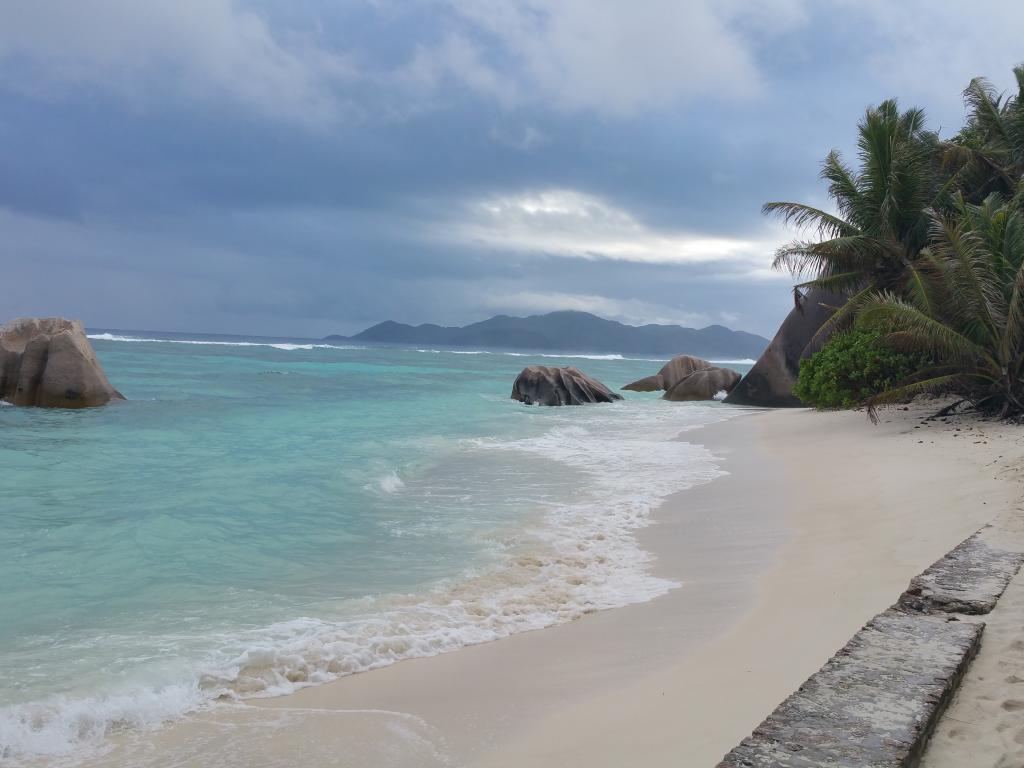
609 57
214 49
927 52
569 223
430 66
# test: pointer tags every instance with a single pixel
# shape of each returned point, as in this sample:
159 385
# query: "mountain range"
570 331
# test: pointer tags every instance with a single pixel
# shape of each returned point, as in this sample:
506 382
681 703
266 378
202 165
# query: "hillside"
570 332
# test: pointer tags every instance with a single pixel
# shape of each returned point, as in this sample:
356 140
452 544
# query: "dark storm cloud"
313 167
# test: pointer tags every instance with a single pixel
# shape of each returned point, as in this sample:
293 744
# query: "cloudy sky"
303 167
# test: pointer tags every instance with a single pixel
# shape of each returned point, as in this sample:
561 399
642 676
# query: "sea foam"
579 355
205 342
570 557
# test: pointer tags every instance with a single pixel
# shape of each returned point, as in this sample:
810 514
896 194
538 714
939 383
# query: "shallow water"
263 514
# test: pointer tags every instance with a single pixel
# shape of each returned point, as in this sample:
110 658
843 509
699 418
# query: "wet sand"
820 524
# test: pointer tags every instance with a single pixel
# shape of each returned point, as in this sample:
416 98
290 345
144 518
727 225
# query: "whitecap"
390 483
289 346
578 556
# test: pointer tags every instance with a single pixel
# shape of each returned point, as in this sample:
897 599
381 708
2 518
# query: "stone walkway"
877 701
984 726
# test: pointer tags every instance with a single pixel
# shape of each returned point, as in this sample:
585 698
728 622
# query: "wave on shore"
581 355
107 336
571 556
206 342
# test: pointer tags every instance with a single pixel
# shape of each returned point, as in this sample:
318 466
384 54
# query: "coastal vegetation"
966 309
926 248
857 364
881 225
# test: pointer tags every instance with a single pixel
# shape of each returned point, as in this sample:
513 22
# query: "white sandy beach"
822 521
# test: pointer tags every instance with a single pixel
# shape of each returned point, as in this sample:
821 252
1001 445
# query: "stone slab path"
877 701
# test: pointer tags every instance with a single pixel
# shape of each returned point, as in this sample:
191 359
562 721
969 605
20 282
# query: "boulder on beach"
770 382
545 385
703 385
674 371
49 362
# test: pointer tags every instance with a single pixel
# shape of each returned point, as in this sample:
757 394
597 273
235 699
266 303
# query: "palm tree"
988 153
965 307
880 226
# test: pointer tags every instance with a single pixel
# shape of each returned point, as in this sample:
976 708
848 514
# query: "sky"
307 167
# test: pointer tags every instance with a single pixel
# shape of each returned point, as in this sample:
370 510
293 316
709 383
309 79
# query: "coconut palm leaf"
881 222
964 305
895 314
808 217
843 317
901 394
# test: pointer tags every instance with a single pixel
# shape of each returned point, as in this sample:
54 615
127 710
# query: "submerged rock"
544 385
703 385
770 382
674 371
49 362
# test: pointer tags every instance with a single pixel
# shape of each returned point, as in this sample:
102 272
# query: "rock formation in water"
544 385
674 371
49 362
770 382
703 385
687 378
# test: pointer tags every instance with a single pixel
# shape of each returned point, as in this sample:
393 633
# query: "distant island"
570 331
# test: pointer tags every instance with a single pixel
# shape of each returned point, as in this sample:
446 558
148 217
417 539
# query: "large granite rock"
703 385
544 385
770 382
674 371
49 362
685 377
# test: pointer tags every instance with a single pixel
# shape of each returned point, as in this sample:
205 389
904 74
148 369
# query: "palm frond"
808 217
893 314
899 394
842 318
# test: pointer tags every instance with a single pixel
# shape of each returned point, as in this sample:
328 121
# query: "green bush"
852 367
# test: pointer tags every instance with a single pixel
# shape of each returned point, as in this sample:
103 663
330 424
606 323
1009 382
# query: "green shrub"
852 367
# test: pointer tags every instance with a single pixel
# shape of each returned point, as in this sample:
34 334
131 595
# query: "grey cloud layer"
312 167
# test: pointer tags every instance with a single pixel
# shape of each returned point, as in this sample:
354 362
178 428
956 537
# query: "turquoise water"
263 514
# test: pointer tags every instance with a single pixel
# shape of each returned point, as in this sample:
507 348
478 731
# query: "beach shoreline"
814 530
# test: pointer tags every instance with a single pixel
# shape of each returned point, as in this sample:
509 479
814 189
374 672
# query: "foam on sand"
570 558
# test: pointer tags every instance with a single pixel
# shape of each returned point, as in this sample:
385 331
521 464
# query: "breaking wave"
570 558
206 342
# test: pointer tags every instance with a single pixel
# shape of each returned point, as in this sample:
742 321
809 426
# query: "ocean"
265 514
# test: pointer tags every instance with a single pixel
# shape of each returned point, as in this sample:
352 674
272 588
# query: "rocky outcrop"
703 385
653 383
674 371
770 382
544 385
49 362
687 378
